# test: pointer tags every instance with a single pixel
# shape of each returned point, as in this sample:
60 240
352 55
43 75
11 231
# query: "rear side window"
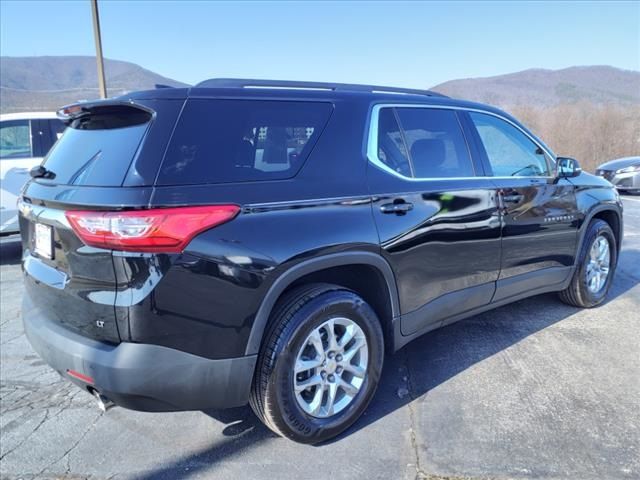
98 148
222 141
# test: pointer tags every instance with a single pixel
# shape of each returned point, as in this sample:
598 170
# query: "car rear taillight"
167 230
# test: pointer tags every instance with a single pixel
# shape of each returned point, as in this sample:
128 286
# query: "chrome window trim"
372 141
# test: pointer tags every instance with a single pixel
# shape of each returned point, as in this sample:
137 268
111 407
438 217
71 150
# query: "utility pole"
96 34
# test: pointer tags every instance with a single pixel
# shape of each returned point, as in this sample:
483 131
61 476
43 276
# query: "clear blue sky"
401 43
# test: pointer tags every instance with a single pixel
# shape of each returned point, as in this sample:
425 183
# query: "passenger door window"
437 147
423 143
510 152
15 139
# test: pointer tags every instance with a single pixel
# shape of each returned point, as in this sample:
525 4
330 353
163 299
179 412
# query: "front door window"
510 152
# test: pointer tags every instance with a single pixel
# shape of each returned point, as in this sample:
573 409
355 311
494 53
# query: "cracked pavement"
536 389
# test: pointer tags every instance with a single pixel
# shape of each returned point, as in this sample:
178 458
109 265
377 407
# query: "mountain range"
598 84
46 83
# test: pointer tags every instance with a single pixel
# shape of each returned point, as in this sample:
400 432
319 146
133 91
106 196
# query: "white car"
25 138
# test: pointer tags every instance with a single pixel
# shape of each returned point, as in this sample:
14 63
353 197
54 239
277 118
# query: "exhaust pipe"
104 403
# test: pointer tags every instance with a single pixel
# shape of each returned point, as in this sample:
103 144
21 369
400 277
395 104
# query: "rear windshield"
221 141
98 148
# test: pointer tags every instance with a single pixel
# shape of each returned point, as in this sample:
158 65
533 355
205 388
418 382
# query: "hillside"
591 113
600 85
36 83
46 83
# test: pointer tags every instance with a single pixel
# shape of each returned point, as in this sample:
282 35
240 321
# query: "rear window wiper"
40 171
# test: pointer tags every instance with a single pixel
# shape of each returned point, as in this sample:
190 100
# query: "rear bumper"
140 376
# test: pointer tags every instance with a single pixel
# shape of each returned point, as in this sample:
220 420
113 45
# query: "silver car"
624 173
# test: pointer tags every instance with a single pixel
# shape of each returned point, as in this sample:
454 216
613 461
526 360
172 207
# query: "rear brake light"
166 230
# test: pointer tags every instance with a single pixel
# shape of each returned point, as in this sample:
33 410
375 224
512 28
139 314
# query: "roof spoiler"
71 112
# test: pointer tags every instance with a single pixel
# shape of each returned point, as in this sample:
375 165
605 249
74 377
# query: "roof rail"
295 85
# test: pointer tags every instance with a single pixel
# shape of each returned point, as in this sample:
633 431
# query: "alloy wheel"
330 367
598 264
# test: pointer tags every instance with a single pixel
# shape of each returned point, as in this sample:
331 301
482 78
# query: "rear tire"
313 405
585 290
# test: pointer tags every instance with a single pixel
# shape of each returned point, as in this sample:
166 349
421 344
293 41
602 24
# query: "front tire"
319 365
595 267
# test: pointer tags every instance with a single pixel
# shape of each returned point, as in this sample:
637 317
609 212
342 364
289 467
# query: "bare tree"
593 134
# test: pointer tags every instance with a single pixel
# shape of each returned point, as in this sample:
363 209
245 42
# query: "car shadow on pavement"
446 352
243 431
443 353
419 367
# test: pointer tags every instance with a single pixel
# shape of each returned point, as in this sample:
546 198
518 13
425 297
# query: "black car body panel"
448 242
594 196
541 214
140 376
205 300
424 252
77 286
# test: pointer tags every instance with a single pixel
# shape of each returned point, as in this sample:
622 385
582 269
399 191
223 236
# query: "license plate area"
43 240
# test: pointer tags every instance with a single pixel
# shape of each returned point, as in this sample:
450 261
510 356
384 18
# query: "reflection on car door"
438 223
539 212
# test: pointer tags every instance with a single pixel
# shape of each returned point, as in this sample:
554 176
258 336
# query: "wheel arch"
612 216
323 269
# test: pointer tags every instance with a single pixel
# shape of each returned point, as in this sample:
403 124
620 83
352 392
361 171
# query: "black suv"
267 242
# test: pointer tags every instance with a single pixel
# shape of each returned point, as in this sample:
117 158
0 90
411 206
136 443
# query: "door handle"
512 198
399 208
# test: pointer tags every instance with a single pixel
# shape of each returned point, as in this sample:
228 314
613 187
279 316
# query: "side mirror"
567 167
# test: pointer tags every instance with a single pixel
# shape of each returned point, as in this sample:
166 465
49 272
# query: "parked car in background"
266 242
624 173
25 138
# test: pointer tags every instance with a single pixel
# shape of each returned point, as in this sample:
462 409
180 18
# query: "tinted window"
49 131
56 128
15 139
220 141
436 144
97 149
392 150
510 152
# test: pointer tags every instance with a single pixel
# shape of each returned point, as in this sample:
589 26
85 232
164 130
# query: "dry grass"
591 133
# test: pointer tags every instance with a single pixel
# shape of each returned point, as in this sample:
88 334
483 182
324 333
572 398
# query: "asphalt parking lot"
536 389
